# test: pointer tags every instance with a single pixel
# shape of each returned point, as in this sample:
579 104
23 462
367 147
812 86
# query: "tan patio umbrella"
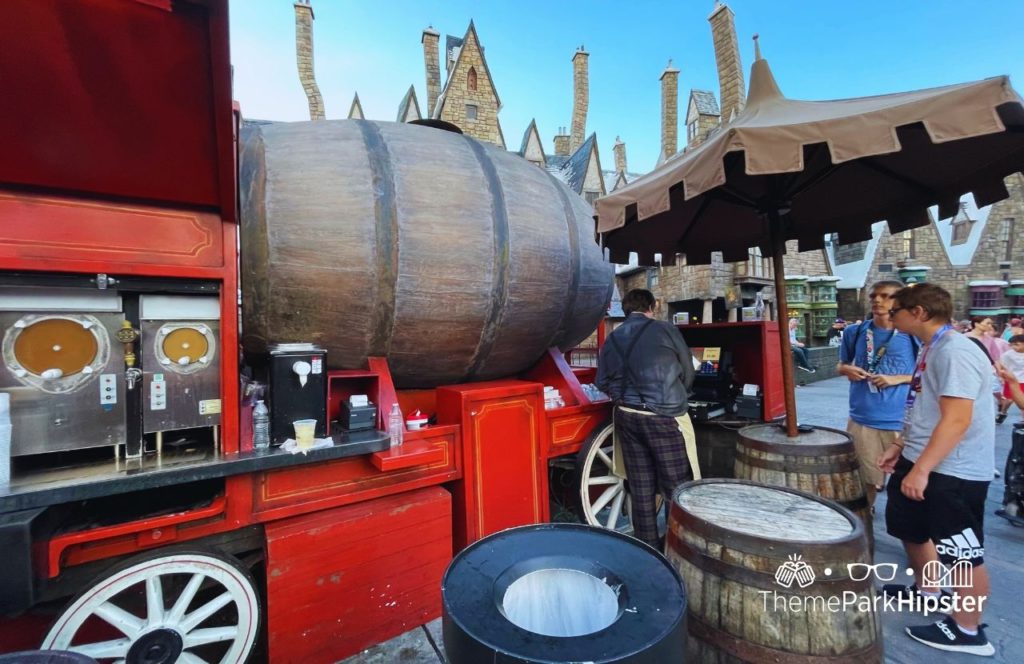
786 169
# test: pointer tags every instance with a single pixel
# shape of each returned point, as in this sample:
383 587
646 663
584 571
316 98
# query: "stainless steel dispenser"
63 368
180 362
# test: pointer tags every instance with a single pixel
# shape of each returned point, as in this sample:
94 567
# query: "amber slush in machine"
78 372
297 384
63 368
181 364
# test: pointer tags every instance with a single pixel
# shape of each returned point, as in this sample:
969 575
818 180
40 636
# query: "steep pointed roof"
575 167
531 138
704 101
409 109
470 32
355 111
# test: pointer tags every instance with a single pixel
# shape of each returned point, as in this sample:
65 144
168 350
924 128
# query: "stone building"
469 98
718 291
974 255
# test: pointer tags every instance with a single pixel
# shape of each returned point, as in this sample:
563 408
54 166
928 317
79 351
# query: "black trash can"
562 593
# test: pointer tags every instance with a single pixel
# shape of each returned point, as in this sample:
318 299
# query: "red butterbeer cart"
139 524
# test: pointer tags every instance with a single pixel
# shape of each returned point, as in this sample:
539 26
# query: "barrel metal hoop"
755 579
574 263
501 261
753 652
386 213
796 450
848 465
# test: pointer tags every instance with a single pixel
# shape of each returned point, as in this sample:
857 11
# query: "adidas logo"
961 545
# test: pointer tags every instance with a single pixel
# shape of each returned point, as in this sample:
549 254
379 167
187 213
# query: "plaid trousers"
655 457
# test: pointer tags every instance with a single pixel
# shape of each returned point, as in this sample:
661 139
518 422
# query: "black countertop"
56 486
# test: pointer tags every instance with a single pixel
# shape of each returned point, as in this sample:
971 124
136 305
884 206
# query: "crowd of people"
926 395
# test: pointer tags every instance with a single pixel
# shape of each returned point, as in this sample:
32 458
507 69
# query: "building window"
691 131
985 299
471 78
471 110
885 267
757 265
909 251
591 196
1006 238
961 231
652 278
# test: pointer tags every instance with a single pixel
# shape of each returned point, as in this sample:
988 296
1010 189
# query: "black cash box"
749 406
357 418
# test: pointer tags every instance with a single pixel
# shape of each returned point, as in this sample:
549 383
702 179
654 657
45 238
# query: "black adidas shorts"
951 515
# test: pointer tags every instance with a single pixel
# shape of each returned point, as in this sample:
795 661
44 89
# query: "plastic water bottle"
396 425
261 427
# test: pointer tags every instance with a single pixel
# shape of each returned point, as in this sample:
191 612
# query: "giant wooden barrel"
761 565
454 259
822 461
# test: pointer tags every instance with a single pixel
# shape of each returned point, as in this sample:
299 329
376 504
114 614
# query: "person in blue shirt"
878 360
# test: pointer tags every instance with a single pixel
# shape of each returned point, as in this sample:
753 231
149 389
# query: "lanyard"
915 379
872 358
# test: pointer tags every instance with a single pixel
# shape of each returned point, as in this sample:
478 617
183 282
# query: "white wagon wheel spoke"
192 620
229 601
605 497
200 637
616 511
115 616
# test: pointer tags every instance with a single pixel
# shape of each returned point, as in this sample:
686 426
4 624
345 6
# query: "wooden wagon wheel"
185 607
602 497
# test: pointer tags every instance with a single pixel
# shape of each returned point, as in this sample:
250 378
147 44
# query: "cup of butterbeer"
305 433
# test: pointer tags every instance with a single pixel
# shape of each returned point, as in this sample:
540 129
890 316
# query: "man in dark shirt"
647 370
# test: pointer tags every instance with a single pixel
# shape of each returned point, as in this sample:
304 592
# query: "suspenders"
625 356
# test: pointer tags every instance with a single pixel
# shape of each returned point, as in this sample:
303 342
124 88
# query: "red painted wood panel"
347 578
290 491
504 437
45 229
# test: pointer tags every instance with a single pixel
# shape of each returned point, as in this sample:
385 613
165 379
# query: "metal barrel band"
843 466
752 578
754 652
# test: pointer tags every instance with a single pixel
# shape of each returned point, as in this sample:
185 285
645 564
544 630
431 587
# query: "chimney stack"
304 57
562 143
433 65
669 111
620 155
732 88
580 98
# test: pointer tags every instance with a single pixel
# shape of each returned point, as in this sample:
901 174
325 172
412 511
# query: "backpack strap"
851 351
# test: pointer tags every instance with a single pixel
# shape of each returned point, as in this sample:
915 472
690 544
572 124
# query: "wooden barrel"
454 259
822 461
761 565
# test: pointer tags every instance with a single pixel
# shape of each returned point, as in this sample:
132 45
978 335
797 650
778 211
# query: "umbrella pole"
778 250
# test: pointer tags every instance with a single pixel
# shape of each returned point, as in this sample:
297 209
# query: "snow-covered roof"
963 254
854 274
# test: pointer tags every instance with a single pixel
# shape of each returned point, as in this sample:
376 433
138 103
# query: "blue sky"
826 49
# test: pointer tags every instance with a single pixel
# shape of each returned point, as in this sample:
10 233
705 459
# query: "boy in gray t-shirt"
941 472
956 368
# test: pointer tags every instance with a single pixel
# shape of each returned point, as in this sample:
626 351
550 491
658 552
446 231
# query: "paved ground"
824 403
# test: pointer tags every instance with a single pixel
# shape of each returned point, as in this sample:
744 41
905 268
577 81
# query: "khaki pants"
870 444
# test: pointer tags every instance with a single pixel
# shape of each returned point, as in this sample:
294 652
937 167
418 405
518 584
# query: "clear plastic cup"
305 433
